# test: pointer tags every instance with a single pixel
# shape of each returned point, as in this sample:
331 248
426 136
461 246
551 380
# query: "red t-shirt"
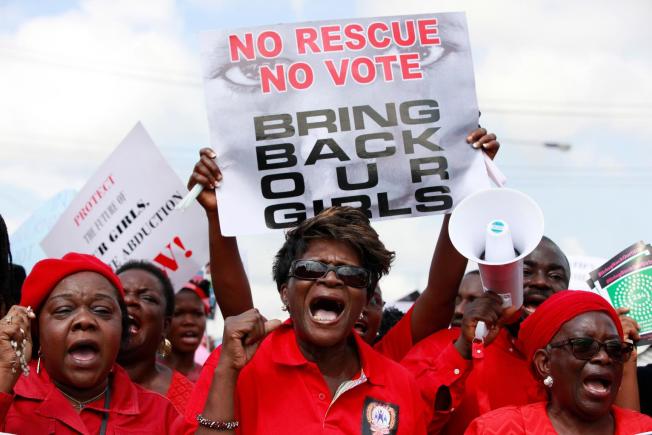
279 391
501 378
38 407
533 419
179 391
398 340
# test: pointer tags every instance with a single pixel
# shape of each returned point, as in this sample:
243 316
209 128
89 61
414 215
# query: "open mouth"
190 337
532 300
326 310
361 326
598 386
84 351
134 325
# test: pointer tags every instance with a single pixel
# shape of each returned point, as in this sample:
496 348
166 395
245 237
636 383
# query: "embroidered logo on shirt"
379 418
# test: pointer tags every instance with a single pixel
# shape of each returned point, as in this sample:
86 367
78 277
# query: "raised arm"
230 282
15 353
434 308
628 395
242 336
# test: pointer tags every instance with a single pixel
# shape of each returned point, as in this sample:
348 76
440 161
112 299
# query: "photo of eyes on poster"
371 113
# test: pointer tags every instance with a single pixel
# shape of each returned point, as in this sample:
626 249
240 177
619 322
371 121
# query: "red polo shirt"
279 391
533 420
501 378
398 340
38 407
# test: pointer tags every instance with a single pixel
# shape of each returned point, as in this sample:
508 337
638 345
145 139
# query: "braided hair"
7 296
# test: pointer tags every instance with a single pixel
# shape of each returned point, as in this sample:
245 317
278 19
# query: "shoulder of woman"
180 391
162 415
508 419
629 421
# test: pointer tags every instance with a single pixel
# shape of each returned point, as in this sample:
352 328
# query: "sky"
76 76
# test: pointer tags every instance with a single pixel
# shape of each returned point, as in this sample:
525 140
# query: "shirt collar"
124 394
287 352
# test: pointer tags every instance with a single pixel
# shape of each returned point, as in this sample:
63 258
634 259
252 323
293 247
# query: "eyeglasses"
352 276
585 348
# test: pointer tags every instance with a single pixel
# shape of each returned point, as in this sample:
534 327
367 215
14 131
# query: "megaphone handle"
477 347
480 331
494 173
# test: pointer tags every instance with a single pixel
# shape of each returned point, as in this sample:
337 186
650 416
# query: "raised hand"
242 336
487 308
480 139
208 174
15 345
631 328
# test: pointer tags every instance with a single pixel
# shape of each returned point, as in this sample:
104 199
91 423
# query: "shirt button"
456 371
511 349
452 409
321 396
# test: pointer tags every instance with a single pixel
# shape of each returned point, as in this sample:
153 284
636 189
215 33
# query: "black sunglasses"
585 348
352 276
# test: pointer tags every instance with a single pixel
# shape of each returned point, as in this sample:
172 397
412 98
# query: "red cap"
541 326
46 274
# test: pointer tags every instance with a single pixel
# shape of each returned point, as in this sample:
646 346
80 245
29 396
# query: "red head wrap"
46 274
542 325
200 293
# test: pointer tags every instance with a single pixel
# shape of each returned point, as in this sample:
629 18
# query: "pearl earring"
548 381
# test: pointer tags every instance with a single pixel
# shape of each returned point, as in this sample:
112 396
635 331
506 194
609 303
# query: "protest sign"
371 113
625 280
631 286
126 211
616 261
581 266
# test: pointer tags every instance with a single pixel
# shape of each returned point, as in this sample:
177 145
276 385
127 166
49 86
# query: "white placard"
126 211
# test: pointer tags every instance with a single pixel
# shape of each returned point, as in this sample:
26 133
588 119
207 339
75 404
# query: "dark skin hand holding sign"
433 309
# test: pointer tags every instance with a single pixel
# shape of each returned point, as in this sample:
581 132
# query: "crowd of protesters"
87 349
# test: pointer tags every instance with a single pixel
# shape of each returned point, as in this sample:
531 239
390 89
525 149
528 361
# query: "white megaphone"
497 228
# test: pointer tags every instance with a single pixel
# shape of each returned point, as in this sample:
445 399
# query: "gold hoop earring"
38 363
165 348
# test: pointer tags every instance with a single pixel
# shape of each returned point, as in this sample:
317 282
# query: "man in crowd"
460 387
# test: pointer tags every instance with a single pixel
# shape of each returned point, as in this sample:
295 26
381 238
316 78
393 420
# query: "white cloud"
593 52
209 5
43 188
572 246
298 8
74 83
94 71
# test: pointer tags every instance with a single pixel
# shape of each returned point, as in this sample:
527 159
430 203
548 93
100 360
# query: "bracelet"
217 425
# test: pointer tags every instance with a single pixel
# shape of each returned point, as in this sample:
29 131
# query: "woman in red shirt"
313 373
187 329
574 341
149 297
77 327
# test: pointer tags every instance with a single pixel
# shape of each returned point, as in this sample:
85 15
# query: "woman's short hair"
166 285
336 223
